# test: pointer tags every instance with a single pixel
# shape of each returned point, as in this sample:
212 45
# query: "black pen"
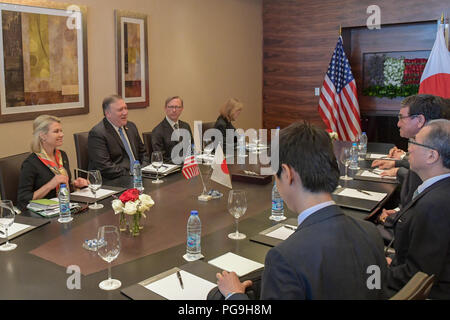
363 192
179 279
289 227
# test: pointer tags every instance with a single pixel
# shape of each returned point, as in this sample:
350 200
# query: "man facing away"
114 143
422 227
169 128
329 254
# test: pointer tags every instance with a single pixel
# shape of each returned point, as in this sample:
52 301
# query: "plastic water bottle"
363 144
194 234
64 204
137 176
277 205
354 157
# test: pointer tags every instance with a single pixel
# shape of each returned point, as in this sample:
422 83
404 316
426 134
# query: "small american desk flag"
338 104
190 168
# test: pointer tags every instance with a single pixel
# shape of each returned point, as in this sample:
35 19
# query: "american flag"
338 104
190 168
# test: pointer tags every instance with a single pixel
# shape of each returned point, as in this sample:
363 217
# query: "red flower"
129 195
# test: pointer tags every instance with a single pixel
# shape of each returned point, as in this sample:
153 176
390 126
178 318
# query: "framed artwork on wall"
43 60
132 58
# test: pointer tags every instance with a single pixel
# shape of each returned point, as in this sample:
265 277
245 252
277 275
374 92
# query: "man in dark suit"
422 228
330 255
171 131
114 143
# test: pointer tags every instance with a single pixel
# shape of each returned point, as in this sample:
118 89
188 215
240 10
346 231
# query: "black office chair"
9 175
418 288
81 147
147 137
206 126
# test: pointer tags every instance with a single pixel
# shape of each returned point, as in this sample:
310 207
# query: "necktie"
127 148
415 194
177 135
175 126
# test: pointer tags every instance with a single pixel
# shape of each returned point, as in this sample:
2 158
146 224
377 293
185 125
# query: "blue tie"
127 148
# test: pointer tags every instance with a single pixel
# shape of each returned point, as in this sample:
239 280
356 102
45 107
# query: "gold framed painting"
132 58
43 60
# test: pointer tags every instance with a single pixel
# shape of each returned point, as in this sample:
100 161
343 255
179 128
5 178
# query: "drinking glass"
345 157
95 183
157 162
237 205
108 248
7 215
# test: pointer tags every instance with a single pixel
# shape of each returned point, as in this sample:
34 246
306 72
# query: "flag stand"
204 196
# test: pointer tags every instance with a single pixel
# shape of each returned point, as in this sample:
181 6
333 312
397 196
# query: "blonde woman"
46 167
228 112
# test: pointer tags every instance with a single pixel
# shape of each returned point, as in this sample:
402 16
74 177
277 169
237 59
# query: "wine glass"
7 215
95 183
157 162
237 205
108 248
345 157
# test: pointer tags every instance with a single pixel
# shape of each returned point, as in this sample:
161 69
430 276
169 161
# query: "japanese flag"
220 172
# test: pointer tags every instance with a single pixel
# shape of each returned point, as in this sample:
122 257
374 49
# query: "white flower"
117 206
146 201
130 208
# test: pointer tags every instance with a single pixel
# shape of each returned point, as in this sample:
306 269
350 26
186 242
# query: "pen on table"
365 192
1 232
179 279
289 227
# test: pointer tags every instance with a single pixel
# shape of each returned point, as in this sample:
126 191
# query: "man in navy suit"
422 227
330 255
114 143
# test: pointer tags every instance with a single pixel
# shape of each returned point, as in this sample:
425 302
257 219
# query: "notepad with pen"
49 208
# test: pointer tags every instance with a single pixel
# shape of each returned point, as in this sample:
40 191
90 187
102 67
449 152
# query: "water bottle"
277 205
354 157
194 233
363 144
241 145
64 204
137 177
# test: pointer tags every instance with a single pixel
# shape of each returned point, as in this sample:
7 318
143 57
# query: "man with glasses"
422 227
169 132
329 254
415 112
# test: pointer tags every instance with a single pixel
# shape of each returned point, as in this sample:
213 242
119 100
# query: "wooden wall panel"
299 38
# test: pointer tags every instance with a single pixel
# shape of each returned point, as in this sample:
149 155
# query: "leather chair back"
147 137
81 147
10 174
418 288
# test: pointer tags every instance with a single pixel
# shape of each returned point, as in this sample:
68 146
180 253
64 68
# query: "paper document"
12 230
232 262
282 232
375 174
194 288
362 194
165 168
376 156
86 192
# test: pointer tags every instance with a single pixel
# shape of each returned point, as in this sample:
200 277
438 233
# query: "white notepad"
281 233
376 156
165 168
195 288
232 262
15 228
375 174
86 192
354 193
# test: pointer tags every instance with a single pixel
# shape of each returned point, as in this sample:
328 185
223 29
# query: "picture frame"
132 58
43 60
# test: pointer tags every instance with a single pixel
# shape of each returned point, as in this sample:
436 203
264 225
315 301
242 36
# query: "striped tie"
127 148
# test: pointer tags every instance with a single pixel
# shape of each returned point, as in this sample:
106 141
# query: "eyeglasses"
175 107
401 117
412 141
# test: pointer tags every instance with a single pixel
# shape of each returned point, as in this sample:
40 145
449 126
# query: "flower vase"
134 227
122 222
141 226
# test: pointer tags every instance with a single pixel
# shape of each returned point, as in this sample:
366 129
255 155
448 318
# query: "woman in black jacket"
46 167
228 112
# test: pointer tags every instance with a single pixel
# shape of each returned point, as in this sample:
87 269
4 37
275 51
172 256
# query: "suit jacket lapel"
112 132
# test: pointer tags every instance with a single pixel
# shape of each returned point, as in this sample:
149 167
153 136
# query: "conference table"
37 268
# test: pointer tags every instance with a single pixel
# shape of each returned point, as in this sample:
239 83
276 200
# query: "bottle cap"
63 185
194 212
364 132
136 161
354 144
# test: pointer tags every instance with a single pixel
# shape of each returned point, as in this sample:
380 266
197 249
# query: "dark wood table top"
28 276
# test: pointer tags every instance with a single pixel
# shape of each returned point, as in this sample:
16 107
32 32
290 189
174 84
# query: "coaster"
199 256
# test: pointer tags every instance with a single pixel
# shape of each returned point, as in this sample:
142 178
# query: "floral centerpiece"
133 204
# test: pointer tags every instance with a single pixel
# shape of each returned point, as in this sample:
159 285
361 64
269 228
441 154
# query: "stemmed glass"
345 157
7 215
237 205
108 248
95 182
157 162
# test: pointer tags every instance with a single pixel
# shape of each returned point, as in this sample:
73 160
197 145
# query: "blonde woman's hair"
41 125
229 107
